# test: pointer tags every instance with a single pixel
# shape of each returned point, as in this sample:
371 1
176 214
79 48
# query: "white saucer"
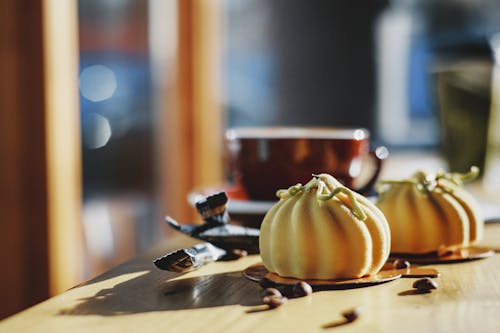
249 207
490 212
236 206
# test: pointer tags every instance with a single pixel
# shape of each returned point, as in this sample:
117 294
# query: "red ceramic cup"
265 159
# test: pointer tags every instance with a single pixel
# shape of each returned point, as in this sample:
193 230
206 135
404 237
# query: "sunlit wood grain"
216 298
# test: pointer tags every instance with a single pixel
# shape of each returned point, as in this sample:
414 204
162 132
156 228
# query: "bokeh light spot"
97 83
96 131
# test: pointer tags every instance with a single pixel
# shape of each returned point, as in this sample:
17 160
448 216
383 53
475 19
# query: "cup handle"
379 154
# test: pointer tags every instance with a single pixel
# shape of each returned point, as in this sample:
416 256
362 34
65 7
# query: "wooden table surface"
137 297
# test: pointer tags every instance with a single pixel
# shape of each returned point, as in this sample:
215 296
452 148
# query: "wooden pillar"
39 150
24 278
207 113
191 119
63 143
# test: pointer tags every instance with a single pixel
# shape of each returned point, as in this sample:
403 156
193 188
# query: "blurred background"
112 111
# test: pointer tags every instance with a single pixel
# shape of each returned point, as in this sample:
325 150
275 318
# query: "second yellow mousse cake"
323 230
429 211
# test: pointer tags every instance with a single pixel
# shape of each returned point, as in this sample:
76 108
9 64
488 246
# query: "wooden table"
137 297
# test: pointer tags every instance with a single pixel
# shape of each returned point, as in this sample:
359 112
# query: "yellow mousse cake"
323 230
429 211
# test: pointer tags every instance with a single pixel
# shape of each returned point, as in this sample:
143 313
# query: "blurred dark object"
300 63
117 126
464 94
118 133
224 236
491 181
243 211
185 260
217 228
411 36
213 208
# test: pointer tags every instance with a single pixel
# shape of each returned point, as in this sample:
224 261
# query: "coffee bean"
302 289
352 314
425 285
274 301
234 254
270 292
399 264
240 253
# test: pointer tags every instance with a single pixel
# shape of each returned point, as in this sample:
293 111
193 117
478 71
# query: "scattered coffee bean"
274 301
352 314
240 252
234 254
302 289
425 285
400 264
270 292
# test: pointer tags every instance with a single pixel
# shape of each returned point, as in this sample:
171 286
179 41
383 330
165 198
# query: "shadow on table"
152 292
